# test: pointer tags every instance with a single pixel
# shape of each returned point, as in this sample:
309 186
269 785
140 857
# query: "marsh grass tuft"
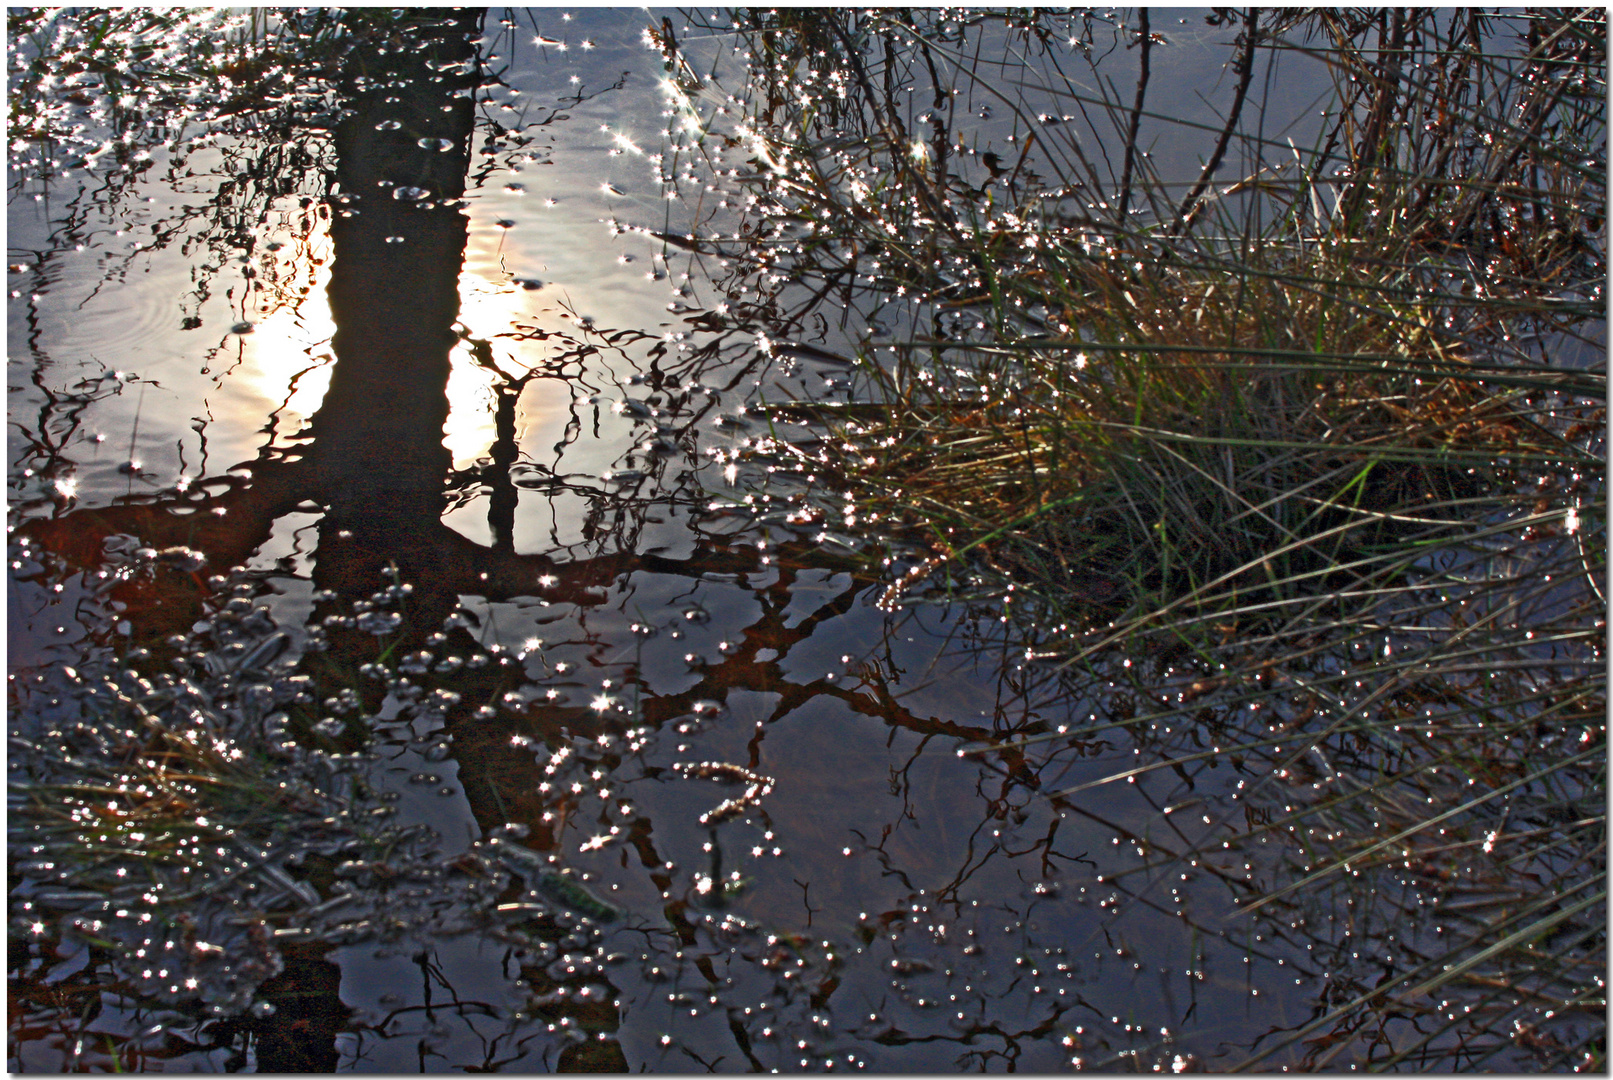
1301 472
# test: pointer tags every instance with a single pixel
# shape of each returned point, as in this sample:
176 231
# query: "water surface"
595 770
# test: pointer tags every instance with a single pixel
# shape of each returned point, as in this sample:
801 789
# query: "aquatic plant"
1302 472
188 826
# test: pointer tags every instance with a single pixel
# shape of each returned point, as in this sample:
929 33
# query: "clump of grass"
183 826
1175 407
1319 447
1184 454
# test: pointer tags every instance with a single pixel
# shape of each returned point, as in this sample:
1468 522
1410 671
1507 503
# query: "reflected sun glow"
288 357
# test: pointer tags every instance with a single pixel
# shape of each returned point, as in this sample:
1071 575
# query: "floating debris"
757 785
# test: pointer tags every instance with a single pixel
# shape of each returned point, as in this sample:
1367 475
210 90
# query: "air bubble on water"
411 194
242 328
435 144
379 622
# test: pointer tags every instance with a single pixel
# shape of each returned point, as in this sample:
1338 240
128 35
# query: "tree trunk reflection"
377 456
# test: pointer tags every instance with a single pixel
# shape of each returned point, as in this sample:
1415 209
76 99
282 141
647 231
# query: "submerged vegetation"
1295 464
197 782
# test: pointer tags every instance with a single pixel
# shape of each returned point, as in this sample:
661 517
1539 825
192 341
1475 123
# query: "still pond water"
520 744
